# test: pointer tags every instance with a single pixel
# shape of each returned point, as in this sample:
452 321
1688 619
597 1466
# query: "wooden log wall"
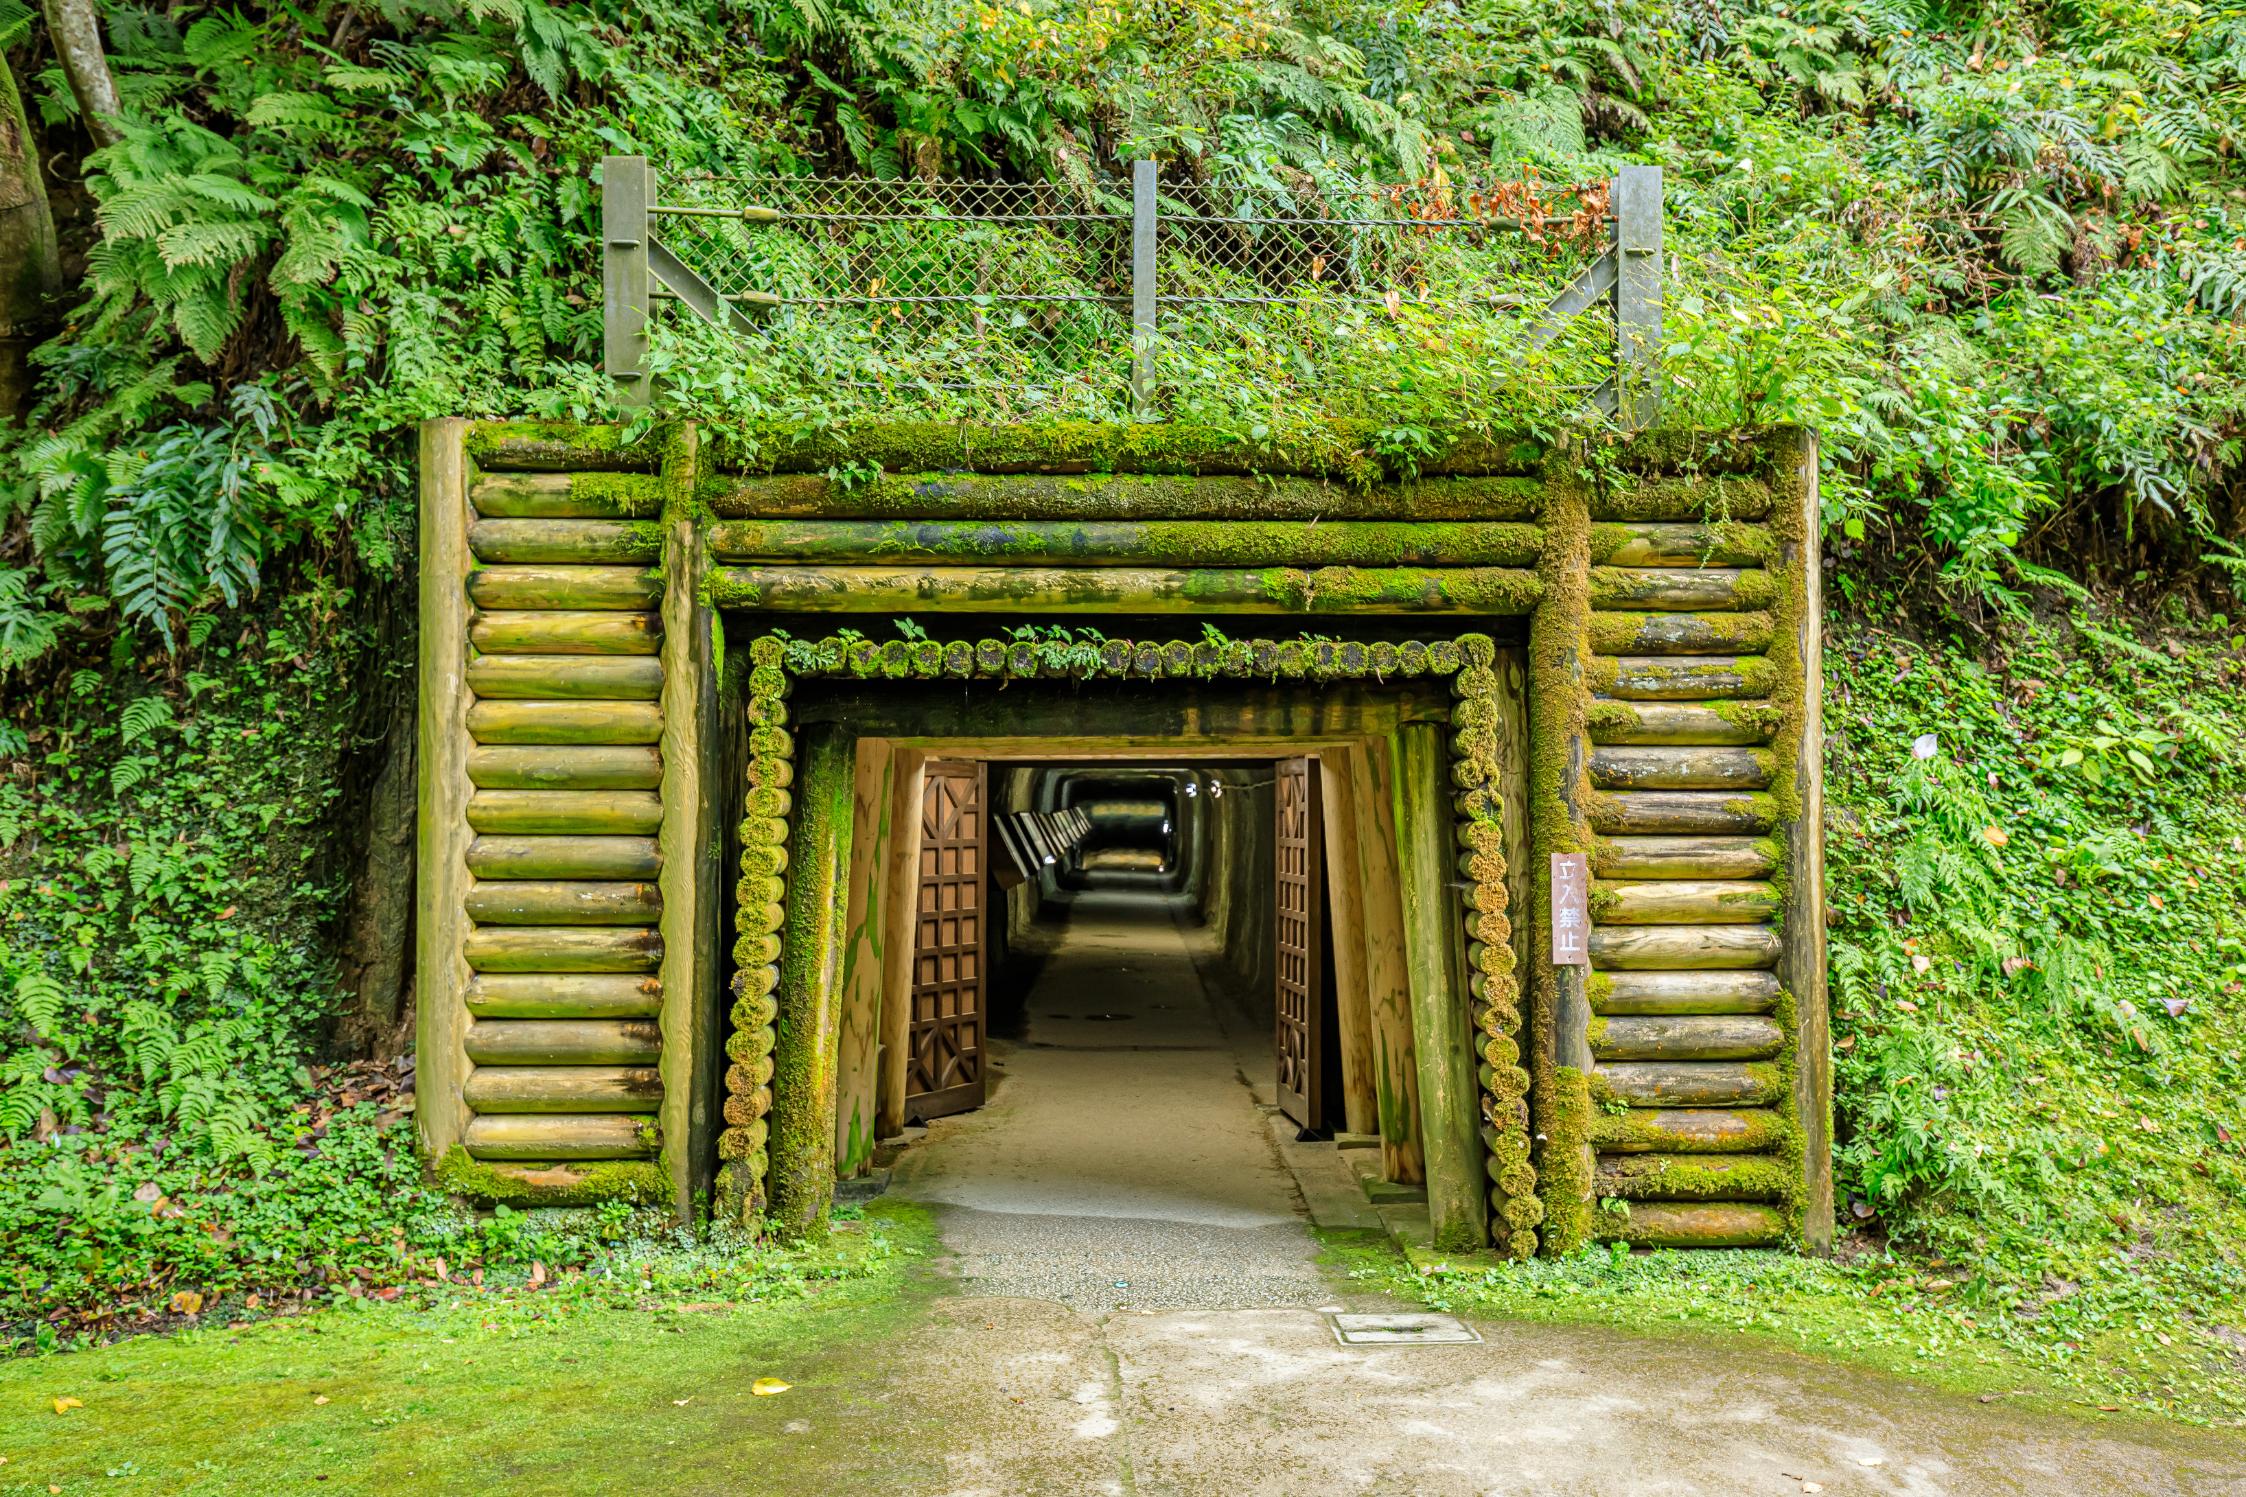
1694 731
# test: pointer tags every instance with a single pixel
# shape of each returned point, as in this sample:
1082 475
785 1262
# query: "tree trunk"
75 31
30 266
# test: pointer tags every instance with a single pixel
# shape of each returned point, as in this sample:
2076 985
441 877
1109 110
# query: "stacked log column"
744 1146
1697 1142
562 1035
1477 771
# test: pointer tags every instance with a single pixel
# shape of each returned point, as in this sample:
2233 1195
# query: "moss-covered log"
562 677
1613 722
513 857
568 496
563 902
544 766
564 587
564 1088
807 1030
1680 589
1695 1083
1684 901
1680 633
1654 544
564 1042
1112 543
1679 500
1686 857
1688 1224
1683 947
563 948
1679 678
564 995
1689 1130
563 542
566 812
1482 590
565 722
559 1136
1680 768
568 447
1682 812
1693 1037
1694 1177
1748 991
567 632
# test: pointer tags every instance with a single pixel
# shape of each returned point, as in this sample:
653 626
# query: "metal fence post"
1142 286
627 188
1637 295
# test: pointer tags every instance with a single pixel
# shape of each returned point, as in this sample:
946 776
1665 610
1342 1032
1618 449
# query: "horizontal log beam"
570 857
1694 1224
1687 1083
1680 678
558 766
1672 948
1126 543
563 948
565 587
1684 901
573 677
1690 589
564 1042
1618 813
1680 633
564 995
560 447
1712 767
565 722
568 496
590 1135
564 902
564 542
1657 544
1325 590
1723 992
595 813
1117 496
1687 857
1652 723
1694 1037
566 632
1688 1130
565 1089
1702 501
1692 1177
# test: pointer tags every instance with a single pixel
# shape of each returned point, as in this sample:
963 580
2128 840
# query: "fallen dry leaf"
320 1398
65 1405
680 1403
187 1302
1995 836
765 1386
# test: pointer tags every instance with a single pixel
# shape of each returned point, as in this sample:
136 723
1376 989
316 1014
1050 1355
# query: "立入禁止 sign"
1571 910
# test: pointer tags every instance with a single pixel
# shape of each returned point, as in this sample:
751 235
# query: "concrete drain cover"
1402 1330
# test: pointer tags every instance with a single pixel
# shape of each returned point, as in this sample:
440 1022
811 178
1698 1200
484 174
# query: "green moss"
641 1182
1698 1177
562 447
625 495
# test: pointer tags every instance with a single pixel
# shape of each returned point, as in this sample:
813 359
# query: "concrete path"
1139 1313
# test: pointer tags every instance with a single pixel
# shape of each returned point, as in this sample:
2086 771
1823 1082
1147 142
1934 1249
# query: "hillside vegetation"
1996 254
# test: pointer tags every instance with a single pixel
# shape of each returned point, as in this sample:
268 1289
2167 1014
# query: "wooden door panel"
1298 1035
944 1063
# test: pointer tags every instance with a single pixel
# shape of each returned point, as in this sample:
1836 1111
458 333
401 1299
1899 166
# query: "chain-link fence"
1105 290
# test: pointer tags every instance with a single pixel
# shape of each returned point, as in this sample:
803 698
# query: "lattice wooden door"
1298 1029
944 1071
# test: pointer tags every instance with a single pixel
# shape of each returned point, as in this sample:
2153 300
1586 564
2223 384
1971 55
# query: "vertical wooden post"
1801 960
907 788
1403 1158
1449 1100
627 189
865 955
1637 295
441 848
1345 896
691 848
1143 226
803 1077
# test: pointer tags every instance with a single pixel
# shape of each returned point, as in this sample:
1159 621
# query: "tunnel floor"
1122 1159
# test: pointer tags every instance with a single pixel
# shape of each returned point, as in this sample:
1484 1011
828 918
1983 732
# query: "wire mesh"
1031 284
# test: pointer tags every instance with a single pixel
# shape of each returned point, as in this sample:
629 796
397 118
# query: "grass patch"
588 1384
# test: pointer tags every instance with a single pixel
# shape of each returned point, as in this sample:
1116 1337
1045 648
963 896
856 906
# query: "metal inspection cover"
1402 1330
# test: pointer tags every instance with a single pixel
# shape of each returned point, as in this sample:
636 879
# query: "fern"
142 717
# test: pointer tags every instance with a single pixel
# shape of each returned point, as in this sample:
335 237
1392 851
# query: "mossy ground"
499 1391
